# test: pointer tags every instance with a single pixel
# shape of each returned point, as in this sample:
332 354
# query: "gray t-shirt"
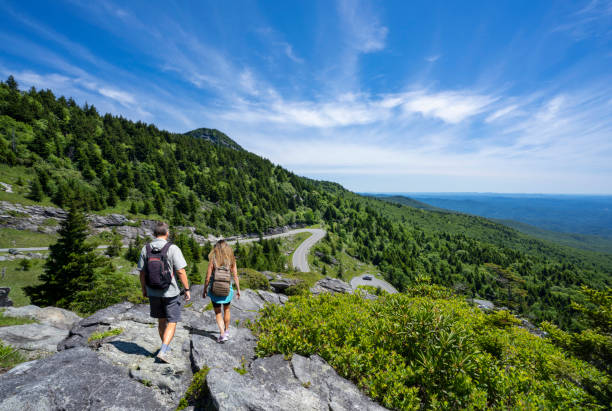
175 256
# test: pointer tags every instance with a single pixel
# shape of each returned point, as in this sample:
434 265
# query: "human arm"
182 275
208 274
141 267
235 273
143 283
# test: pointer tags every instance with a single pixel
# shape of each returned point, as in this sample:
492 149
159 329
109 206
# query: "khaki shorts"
166 307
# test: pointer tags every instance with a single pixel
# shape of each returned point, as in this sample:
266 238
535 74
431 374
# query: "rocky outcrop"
76 380
330 285
273 383
281 284
237 380
41 338
53 316
5 301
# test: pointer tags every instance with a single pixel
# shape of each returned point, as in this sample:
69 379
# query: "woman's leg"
226 316
219 319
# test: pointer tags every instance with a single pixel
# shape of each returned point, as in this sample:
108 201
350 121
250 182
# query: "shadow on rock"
130 348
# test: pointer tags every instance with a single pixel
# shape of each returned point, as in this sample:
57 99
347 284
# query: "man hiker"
159 264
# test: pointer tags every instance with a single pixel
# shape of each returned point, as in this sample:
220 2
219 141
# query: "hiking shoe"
164 357
220 338
225 336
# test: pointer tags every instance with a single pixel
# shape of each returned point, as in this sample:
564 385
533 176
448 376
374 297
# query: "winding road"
299 261
375 282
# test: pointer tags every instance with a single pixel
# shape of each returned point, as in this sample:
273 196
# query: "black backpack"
158 273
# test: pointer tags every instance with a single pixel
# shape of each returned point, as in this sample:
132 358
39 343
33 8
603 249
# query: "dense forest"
69 154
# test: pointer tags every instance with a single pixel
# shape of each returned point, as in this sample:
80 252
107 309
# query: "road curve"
300 261
375 282
300 256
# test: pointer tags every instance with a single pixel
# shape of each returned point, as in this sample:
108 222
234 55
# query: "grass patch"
16 279
104 334
8 321
9 357
11 238
196 390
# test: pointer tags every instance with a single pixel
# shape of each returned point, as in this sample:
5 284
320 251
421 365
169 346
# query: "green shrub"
300 288
109 288
595 343
436 353
253 279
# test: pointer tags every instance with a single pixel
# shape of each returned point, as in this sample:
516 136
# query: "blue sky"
380 96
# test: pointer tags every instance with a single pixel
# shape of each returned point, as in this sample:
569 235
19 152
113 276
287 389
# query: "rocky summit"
99 370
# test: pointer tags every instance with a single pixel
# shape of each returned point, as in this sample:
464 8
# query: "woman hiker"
221 261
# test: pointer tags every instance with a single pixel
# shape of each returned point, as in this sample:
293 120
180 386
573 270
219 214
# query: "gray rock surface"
33 337
330 285
5 301
282 284
274 383
80 332
53 316
76 380
127 359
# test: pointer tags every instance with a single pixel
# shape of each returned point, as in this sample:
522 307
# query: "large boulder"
273 383
33 337
331 285
281 284
76 380
82 330
53 316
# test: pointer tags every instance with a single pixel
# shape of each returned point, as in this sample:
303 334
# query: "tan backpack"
221 281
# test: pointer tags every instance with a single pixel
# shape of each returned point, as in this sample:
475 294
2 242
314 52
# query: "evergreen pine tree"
36 190
133 208
114 248
71 264
194 275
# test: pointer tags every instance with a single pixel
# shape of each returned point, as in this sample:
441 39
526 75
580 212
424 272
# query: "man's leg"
161 327
168 333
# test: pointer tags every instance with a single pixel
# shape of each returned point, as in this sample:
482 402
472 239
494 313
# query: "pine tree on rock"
71 264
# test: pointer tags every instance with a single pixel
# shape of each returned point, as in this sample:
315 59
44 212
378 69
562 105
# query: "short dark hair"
160 229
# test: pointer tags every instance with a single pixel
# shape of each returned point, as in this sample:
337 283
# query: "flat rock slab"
238 351
273 383
54 316
33 337
133 351
331 285
75 379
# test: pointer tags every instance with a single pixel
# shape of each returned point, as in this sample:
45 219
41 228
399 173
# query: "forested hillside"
67 154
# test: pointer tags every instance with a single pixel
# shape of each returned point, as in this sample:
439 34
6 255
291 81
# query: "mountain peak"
215 136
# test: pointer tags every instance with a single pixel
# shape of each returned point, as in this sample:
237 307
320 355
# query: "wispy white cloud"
449 106
365 32
118 95
433 58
